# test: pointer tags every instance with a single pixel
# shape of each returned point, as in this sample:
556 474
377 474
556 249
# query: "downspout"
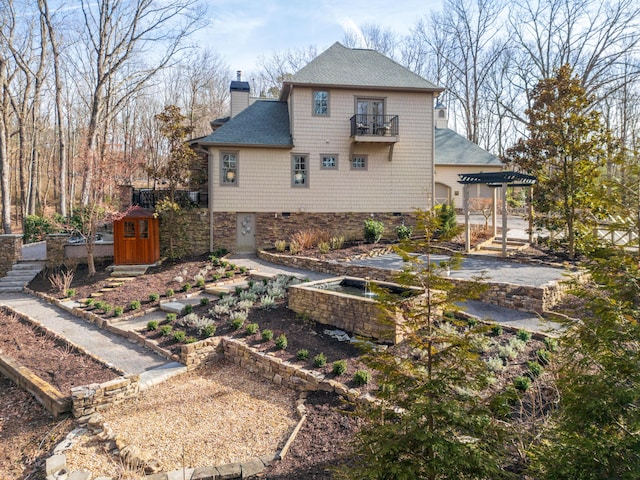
210 187
433 157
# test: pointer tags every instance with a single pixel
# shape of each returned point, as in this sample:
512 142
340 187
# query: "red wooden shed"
136 238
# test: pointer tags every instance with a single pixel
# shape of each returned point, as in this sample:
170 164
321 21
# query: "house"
350 138
456 155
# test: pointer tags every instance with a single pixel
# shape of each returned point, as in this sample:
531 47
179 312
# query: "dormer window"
321 103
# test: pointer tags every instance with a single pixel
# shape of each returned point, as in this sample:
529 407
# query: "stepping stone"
96 295
173 307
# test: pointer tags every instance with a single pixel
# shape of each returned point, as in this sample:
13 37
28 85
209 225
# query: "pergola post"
494 213
504 219
467 226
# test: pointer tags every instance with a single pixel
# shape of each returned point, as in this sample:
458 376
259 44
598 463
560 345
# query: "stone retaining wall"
518 297
89 399
10 252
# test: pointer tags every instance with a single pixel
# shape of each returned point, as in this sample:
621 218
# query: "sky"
241 32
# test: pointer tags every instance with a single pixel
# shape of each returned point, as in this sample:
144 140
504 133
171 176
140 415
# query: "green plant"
215 277
243 269
229 274
188 308
522 383
324 247
496 330
169 292
535 369
336 243
36 228
252 328
190 340
166 330
200 282
472 322
153 297
551 344
134 305
373 230
302 354
237 323
294 248
98 305
152 325
106 308
281 245
495 364
71 292
179 336
544 356
89 302
281 342
320 360
118 311
448 223
267 335
339 367
186 287
403 232
209 330
171 317
523 335
204 301
361 377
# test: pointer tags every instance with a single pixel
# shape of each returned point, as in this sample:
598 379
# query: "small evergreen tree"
430 422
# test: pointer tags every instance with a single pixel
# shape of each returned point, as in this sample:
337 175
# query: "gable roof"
264 123
454 149
355 67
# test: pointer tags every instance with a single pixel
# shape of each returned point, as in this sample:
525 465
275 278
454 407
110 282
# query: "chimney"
239 94
442 116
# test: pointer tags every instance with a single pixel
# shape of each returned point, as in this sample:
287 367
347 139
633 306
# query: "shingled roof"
355 67
454 149
265 123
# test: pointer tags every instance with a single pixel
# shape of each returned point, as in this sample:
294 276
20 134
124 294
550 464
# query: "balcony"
148 198
374 128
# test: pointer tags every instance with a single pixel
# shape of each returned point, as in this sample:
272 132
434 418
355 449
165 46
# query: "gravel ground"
214 415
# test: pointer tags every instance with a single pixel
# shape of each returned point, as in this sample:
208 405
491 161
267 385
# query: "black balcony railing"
149 197
374 125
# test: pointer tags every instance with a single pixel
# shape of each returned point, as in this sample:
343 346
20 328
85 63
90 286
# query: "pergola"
494 180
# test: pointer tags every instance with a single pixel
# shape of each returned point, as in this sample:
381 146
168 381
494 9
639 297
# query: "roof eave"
288 85
246 145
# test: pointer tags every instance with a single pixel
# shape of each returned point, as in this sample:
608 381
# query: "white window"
321 103
300 171
329 162
359 162
229 168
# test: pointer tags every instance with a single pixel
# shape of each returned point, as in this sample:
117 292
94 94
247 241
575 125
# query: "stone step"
4 282
4 289
173 307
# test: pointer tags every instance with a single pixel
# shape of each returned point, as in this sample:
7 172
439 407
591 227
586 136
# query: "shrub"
71 292
169 292
98 305
472 322
36 228
243 269
215 277
204 301
188 308
447 219
89 301
179 336
517 344
496 330
190 340
336 243
294 248
494 364
267 335
507 352
361 377
186 287
165 330
61 280
403 232
267 301
373 230
309 238
106 307
153 297
302 354
209 330
171 317
323 247
522 383
535 369
281 342
551 344
229 274
523 335
118 311
281 245
200 282
319 360
252 328
544 356
339 367
237 323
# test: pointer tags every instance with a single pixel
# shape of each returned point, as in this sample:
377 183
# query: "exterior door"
136 241
246 232
371 113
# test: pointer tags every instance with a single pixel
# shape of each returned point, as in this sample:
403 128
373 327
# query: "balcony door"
370 112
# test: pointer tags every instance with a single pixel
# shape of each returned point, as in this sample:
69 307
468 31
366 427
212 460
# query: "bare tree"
118 35
373 37
279 67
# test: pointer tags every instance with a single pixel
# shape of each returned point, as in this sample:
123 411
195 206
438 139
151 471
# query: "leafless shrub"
61 280
310 238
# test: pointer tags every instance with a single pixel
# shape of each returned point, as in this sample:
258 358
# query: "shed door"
136 242
246 233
